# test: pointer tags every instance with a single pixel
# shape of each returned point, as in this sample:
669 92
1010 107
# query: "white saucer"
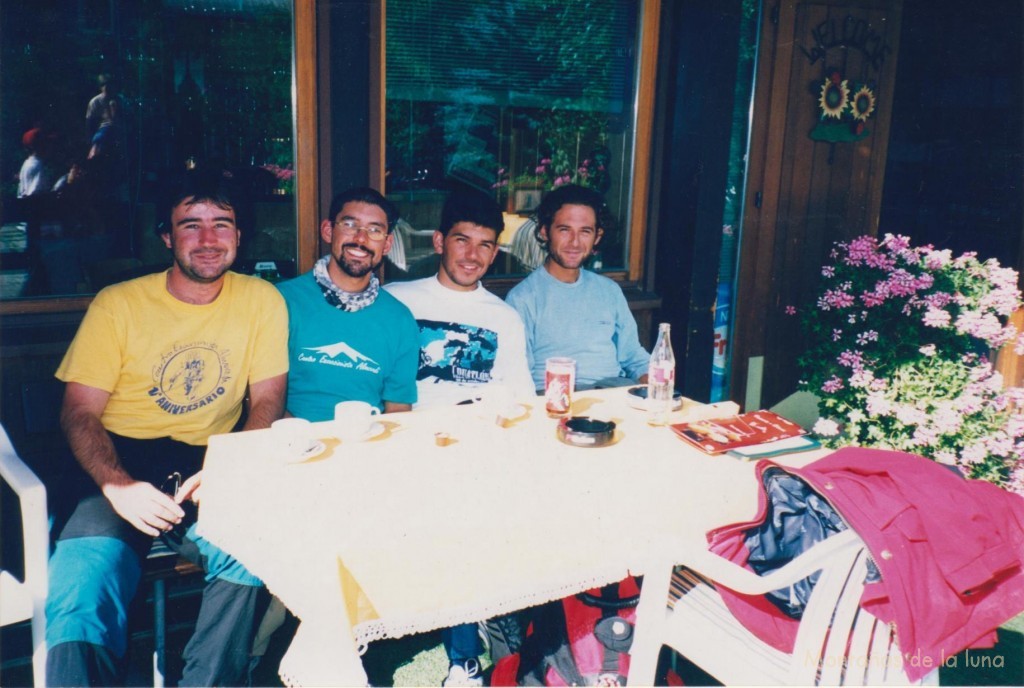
314 449
376 430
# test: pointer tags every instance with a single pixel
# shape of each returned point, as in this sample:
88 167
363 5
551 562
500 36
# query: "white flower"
826 427
878 405
862 379
974 453
928 349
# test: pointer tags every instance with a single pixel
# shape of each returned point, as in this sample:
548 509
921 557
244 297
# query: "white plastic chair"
837 642
24 600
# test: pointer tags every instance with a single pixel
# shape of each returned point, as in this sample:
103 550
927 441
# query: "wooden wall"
804 194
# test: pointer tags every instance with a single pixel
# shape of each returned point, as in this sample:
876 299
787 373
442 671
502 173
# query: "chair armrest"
723 572
34 519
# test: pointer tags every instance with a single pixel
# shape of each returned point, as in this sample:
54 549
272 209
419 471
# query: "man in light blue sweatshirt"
569 311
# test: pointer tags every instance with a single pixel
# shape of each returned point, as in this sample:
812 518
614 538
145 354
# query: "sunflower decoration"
863 104
835 96
843 116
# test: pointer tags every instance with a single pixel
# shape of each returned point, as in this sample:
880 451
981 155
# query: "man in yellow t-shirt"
158 365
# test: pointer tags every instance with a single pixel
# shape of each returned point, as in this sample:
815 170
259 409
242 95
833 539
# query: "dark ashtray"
582 431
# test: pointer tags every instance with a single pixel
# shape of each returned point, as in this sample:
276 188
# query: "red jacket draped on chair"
950 552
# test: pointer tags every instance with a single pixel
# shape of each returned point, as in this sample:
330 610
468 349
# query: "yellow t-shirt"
175 369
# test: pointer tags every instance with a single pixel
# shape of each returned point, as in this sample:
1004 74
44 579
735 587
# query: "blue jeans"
94 575
462 642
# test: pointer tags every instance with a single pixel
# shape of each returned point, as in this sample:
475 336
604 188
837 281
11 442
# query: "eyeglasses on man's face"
349 227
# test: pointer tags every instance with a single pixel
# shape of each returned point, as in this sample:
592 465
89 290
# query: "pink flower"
828 271
902 283
897 243
790 310
872 298
859 250
838 299
851 359
868 336
833 384
938 299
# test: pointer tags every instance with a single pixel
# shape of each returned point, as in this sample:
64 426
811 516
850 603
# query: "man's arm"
266 402
395 407
136 501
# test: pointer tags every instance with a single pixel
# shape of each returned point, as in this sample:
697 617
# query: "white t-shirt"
467 339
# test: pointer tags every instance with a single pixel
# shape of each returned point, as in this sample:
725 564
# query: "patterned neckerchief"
343 300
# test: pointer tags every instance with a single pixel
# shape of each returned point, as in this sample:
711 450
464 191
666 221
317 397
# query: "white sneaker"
466 673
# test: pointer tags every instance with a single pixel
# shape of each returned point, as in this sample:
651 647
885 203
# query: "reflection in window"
103 98
515 97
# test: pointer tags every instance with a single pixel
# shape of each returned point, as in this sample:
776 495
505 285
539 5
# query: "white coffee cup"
353 420
293 437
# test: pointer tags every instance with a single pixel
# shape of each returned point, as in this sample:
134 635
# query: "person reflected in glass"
38 173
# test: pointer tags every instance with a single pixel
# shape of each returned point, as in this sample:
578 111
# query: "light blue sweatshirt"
587 320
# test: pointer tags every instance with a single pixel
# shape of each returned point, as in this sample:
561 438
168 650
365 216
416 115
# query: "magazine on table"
752 434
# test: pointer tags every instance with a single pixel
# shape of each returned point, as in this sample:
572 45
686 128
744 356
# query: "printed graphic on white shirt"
456 352
189 377
339 355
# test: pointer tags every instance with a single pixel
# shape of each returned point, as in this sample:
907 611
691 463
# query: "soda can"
559 382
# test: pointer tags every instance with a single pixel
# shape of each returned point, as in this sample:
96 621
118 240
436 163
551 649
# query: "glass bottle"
661 378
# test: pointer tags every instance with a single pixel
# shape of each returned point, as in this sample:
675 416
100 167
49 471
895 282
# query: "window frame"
643 115
309 36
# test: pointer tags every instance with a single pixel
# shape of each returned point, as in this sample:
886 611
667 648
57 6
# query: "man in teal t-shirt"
348 339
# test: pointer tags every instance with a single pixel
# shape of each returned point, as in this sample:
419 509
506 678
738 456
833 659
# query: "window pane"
513 97
104 98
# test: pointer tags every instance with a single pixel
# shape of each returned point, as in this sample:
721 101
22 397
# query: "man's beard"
558 260
353 270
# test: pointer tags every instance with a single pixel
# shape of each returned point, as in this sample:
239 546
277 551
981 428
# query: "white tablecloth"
398 535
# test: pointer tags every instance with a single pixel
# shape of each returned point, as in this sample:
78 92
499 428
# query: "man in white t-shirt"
469 338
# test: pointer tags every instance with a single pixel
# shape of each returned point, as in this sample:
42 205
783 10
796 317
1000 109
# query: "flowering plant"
551 174
898 355
285 175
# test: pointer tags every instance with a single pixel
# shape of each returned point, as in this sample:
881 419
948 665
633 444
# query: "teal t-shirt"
369 355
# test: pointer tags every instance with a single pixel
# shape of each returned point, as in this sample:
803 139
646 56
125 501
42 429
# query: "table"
398 535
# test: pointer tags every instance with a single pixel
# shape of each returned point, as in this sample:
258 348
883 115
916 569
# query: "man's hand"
144 506
189 489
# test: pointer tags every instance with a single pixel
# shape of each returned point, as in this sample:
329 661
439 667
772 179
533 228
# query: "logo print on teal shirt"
339 355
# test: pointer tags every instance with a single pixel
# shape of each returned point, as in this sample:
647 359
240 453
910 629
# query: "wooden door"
806 189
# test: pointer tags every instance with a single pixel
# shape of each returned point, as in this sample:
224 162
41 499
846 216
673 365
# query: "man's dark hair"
213 185
571 194
364 194
470 205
